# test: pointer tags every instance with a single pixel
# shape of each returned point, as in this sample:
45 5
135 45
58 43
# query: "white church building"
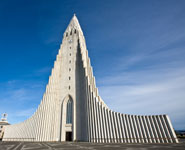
72 110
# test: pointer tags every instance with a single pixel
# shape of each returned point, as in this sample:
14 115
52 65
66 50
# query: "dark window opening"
69 112
71 32
68 136
70 54
69 87
75 31
69 78
70 61
69 69
66 34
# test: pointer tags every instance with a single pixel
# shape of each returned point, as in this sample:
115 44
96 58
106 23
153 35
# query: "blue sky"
137 50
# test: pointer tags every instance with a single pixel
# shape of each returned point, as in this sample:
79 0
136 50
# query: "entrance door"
68 136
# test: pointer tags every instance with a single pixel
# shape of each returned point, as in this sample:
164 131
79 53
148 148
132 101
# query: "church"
72 110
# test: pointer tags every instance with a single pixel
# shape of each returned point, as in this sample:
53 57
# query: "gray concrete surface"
88 146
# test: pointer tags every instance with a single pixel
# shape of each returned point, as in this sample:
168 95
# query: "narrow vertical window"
69 115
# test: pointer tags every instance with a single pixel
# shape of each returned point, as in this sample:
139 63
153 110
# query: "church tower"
72 110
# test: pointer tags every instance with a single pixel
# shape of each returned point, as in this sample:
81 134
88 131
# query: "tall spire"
74 24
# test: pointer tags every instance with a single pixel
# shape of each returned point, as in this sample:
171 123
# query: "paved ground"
88 146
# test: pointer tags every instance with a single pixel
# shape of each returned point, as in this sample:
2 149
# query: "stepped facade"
72 110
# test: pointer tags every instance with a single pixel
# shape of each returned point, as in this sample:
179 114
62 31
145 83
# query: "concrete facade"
92 121
3 123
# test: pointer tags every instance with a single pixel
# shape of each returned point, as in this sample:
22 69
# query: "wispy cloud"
19 99
42 71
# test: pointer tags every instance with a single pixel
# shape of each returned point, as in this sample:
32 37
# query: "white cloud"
19 99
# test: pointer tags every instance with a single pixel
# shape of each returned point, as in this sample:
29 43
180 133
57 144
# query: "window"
69 78
69 87
66 34
70 54
70 61
69 115
75 31
70 41
71 32
70 47
69 69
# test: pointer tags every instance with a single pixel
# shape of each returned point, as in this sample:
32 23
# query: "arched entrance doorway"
69 120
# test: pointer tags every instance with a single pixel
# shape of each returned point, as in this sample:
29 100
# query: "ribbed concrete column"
136 129
132 128
103 124
94 119
96 122
166 129
31 132
170 128
150 130
47 118
129 128
116 127
113 127
38 124
154 129
41 121
142 129
87 110
99 122
146 130
110 125
107 125
161 129
119 128
123 130
158 129
89 114
127 131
